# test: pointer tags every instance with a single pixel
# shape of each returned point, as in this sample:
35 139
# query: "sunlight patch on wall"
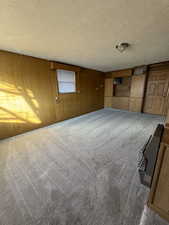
6 117
17 105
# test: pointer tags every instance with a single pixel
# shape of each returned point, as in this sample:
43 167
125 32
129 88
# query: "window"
66 81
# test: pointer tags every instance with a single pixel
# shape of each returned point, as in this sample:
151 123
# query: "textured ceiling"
85 32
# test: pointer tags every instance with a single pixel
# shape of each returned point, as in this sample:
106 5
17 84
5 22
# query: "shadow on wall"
18 106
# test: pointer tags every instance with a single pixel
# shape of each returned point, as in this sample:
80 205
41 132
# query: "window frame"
63 93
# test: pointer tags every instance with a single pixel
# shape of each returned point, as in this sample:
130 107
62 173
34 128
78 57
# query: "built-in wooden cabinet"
117 94
135 104
159 194
126 93
107 102
120 103
137 86
120 73
122 87
137 92
141 89
108 92
157 91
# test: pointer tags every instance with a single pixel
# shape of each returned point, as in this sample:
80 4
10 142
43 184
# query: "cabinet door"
159 194
138 86
157 92
108 91
137 93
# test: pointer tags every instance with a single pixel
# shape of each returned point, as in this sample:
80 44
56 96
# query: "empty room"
84 112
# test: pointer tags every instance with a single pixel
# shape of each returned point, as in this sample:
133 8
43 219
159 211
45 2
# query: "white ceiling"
85 32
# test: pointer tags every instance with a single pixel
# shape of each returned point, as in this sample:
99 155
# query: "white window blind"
66 81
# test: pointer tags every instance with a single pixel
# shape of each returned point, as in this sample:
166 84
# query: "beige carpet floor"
82 171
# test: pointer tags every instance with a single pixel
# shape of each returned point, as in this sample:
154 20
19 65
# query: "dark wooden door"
156 98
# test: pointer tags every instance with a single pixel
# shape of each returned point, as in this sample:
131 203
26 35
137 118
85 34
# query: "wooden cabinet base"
107 102
120 103
135 104
159 193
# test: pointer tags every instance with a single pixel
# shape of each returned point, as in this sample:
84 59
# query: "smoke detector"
122 46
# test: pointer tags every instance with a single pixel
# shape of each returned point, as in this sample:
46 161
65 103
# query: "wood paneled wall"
88 97
26 99
28 92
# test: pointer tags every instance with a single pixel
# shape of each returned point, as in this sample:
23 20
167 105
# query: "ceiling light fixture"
122 46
